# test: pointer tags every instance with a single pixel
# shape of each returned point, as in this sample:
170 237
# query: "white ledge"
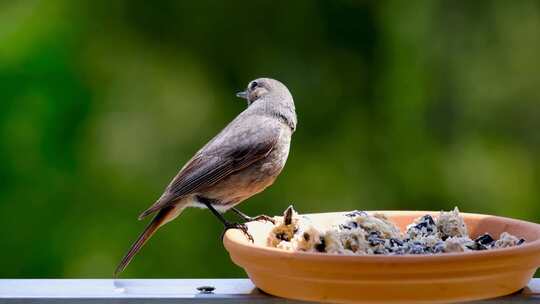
166 291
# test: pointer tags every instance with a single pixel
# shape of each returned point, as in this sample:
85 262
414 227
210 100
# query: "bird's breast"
277 158
262 173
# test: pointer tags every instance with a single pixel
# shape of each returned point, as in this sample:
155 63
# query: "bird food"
360 233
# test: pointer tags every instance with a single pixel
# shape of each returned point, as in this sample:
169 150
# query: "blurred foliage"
401 105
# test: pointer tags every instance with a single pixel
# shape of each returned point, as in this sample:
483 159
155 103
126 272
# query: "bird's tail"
164 216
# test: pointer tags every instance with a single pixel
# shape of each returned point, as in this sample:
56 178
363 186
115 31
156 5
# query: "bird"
240 161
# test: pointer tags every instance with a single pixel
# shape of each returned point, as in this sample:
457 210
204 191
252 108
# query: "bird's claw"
262 217
240 226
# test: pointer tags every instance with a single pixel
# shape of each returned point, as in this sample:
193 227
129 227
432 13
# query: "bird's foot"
262 217
248 218
240 226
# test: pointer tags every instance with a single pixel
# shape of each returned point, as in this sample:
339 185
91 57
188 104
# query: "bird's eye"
253 85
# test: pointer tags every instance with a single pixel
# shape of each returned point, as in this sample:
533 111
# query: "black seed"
282 236
374 241
416 249
356 213
374 234
342 226
521 241
321 246
306 236
439 247
206 289
425 225
485 239
395 242
421 225
427 218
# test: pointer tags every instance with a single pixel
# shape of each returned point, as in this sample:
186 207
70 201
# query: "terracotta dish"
447 277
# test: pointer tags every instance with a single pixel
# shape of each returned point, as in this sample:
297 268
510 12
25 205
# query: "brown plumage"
241 161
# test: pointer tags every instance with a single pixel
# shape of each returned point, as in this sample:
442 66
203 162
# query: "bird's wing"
217 161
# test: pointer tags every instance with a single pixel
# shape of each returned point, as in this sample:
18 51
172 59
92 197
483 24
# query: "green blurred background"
401 105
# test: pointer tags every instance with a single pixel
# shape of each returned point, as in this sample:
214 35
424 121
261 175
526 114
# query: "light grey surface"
165 291
131 291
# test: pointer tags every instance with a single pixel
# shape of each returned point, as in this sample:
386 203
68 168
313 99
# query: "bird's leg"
248 218
226 223
240 226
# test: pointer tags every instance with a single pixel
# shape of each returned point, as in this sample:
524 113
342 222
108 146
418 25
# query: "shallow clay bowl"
445 277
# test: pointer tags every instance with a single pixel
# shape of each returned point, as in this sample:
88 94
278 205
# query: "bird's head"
263 87
271 97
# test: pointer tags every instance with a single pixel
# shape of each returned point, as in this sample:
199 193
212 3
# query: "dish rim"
236 237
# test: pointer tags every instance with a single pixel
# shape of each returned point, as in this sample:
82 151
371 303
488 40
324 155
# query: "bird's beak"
243 95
